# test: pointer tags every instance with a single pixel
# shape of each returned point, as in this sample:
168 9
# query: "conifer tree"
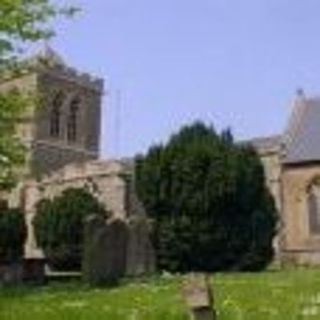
207 198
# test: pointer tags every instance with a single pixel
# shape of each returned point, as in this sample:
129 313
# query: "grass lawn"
285 295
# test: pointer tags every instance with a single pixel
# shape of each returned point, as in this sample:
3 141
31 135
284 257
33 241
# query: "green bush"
209 203
59 225
13 233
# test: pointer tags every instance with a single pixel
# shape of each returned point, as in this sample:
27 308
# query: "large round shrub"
209 202
59 225
13 232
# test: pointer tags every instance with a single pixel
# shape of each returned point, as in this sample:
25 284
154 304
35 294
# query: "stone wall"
48 157
107 180
270 155
52 82
269 149
46 77
299 244
50 153
272 169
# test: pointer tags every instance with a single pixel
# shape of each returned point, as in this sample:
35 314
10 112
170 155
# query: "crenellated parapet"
47 60
62 124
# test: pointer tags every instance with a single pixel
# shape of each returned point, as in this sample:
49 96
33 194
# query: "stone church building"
292 169
62 134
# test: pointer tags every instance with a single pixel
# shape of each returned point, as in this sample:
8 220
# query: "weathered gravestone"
140 252
199 297
104 257
24 271
11 274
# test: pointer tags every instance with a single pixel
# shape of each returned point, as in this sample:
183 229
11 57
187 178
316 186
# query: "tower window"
314 208
56 115
72 120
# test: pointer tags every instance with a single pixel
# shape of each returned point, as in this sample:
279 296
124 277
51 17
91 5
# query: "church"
292 169
62 135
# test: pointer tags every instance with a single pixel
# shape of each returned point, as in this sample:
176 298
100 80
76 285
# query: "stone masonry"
62 133
48 78
105 179
292 167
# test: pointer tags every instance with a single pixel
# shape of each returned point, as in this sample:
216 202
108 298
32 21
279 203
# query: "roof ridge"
302 135
295 121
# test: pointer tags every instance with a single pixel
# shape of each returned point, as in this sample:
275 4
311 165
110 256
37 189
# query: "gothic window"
72 120
314 208
55 115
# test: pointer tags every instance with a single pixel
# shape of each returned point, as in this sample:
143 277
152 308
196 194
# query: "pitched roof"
302 136
266 144
301 140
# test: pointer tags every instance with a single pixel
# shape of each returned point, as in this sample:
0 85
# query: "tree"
13 232
25 21
208 200
59 225
21 22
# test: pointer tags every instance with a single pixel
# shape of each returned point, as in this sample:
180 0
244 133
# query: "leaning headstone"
104 257
140 252
199 297
116 248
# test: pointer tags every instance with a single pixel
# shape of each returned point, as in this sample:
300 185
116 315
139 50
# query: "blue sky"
228 62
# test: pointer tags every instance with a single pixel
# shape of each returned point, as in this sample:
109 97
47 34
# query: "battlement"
48 61
73 75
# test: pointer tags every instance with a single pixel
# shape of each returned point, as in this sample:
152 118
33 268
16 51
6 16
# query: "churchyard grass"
275 295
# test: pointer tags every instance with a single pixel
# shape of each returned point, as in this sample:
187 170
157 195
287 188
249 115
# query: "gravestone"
140 253
34 271
104 257
11 274
199 297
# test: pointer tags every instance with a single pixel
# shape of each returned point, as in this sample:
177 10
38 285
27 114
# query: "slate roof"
302 137
266 144
301 140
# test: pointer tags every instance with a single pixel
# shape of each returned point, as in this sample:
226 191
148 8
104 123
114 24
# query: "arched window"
55 115
72 120
314 207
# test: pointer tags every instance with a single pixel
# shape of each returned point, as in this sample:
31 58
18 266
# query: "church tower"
64 125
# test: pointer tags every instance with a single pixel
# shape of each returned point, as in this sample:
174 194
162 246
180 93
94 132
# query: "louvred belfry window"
72 120
55 115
